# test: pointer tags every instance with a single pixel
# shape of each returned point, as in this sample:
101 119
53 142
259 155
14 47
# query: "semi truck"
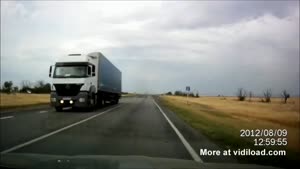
84 81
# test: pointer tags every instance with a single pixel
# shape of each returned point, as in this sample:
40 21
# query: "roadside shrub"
285 95
267 95
250 95
7 87
169 93
241 94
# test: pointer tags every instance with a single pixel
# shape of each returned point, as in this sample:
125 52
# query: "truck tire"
91 102
58 109
102 102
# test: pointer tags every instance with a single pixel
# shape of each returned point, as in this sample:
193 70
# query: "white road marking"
54 132
43 111
183 140
7 117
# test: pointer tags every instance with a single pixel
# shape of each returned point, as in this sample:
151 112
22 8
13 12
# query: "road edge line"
6 117
54 132
182 139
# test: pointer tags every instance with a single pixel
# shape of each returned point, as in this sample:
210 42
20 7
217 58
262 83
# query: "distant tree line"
242 94
181 93
26 87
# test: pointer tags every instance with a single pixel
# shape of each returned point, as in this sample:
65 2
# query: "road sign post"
188 88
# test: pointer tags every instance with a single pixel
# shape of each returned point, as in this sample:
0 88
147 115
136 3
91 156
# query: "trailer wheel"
102 102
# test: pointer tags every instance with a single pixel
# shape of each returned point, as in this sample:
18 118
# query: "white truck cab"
84 81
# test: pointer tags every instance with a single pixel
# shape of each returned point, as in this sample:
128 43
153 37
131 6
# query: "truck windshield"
70 71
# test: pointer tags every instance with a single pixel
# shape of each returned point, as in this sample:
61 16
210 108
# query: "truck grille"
67 89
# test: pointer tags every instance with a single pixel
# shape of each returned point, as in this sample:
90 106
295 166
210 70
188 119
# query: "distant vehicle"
84 81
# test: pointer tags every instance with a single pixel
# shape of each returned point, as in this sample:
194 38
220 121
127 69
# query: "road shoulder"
29 108
195 138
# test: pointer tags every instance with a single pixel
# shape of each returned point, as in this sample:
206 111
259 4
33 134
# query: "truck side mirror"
93 71
89 70
50 71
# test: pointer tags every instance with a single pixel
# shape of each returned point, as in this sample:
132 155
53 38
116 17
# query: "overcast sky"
214 47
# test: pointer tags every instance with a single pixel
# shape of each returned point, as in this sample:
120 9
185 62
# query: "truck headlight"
62 101
53 99
71 102
81 99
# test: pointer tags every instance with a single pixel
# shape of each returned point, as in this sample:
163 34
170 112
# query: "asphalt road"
136 126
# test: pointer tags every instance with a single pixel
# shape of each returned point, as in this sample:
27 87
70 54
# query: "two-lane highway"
137 126
24 126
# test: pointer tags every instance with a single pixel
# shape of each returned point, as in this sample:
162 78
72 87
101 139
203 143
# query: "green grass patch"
21 106
226 136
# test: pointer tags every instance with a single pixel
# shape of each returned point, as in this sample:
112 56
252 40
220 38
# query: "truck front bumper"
79 101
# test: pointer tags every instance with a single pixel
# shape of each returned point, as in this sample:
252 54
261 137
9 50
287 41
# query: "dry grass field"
22 100
128 95
246 114
221 118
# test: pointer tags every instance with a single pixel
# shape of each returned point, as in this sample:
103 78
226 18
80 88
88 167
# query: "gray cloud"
215 47
197 14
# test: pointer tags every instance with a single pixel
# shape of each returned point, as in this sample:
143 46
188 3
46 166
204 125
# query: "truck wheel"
92 102
58 109
96 101
102 102
117 101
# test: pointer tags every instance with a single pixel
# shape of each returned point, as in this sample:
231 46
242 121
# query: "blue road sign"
188 88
